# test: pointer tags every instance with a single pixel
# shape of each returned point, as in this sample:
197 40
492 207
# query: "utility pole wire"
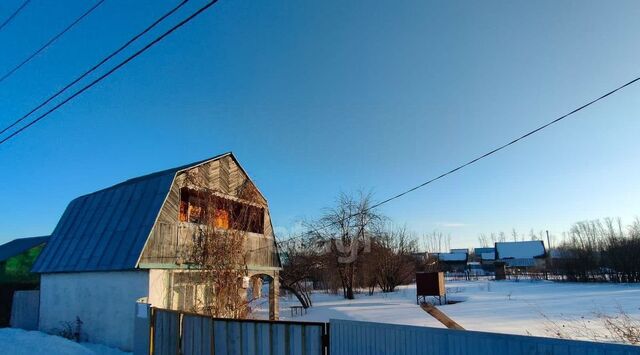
50 41
474 160
506 144
14 14
113 54
120 65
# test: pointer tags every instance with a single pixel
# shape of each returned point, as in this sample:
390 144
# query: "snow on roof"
452 257
461 250
479 251
520 250
488 256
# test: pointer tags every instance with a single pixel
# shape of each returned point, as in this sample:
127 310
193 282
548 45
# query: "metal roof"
453 257
106 230
481 250
18 246
520 250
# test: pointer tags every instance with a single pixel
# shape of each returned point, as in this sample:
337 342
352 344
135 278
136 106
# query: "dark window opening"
206 208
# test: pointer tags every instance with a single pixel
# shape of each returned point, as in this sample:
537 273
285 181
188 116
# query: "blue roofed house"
120 244
523 255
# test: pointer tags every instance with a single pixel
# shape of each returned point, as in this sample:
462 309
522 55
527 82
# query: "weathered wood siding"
169 236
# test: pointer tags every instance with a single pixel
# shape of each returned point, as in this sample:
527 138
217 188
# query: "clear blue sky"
319 97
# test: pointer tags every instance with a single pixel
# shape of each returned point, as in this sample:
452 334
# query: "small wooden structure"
430 284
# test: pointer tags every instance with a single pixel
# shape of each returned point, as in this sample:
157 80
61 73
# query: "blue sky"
321 97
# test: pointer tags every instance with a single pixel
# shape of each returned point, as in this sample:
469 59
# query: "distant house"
123 243
16 259
460 250
455 262
485 256
479 251
488 258
525 254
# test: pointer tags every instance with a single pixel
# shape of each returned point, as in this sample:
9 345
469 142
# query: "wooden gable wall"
223 176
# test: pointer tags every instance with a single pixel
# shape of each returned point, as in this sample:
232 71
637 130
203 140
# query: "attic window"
192 206
201 207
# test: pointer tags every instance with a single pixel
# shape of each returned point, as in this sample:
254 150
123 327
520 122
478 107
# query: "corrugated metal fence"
25 309
184 333
365 338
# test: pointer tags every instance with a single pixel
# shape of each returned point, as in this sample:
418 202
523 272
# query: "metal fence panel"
25 310
197 335
166 333
185 333
366 338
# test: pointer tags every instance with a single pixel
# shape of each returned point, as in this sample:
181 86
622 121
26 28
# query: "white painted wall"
104 301
159 287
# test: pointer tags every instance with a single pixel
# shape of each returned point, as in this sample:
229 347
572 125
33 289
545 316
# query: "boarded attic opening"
199 206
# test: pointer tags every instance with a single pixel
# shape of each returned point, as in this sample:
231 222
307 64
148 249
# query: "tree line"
600 250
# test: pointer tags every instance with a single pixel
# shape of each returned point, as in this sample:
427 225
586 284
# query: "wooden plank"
441 317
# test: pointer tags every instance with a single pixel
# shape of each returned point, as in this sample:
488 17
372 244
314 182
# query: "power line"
14 14
50 41
92 69
470 162
491 152
120 65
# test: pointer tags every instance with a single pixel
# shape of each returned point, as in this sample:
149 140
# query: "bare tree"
345 231
300 262
483 240
391 258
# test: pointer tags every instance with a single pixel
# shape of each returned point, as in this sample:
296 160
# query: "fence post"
326 339
152 330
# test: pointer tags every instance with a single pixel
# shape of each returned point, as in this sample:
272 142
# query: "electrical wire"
50 41
111 71
472 161
14 14
97 65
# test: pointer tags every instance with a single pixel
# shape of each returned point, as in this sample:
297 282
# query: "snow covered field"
19 342
504 306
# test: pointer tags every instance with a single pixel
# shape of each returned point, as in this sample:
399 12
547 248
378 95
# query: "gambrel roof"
107 229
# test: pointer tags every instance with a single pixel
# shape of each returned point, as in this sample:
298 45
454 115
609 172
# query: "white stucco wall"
159 286
104 301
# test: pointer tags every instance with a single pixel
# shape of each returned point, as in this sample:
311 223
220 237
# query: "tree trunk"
303 300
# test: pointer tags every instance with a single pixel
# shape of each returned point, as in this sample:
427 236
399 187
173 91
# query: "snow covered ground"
503 306
19 342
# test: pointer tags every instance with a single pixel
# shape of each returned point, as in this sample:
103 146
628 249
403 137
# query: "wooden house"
126 242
